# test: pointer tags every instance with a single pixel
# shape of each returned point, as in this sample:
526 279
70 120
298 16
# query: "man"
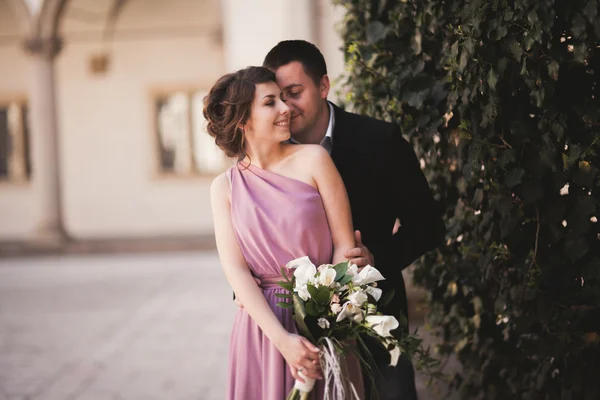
384 183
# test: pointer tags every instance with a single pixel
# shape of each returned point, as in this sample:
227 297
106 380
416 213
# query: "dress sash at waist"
270 282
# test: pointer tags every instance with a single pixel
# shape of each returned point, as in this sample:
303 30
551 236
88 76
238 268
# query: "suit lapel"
341 137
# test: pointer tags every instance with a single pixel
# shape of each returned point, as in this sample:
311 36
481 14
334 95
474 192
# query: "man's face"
305 99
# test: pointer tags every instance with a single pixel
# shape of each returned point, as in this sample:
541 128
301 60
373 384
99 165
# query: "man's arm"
421 225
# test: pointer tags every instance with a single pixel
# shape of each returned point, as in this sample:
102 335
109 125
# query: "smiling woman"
279 202
228 106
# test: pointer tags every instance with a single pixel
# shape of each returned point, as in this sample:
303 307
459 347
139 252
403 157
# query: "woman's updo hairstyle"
228 104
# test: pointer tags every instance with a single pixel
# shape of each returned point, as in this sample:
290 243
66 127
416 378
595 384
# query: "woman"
279 202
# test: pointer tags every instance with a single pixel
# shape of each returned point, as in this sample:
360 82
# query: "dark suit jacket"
384 182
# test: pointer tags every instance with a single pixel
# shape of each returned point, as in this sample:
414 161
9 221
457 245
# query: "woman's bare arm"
335 200
293 348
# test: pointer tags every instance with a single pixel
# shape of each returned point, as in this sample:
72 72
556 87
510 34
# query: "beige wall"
111 184
109 167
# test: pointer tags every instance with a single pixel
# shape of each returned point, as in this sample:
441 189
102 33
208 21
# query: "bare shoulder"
219 188
313 152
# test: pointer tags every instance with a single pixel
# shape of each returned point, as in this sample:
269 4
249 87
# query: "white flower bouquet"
333 305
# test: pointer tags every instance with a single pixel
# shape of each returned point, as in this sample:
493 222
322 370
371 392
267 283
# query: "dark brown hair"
228 106
298 50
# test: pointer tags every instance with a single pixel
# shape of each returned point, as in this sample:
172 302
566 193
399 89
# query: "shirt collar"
329 132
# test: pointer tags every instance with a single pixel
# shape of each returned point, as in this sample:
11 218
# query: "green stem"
293 395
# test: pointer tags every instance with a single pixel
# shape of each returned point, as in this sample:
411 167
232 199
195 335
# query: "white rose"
327 277
336 308
375 292
367 275
358 298
394 355
323 323
382 324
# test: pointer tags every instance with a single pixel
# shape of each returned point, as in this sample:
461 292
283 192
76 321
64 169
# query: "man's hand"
360 255
238 302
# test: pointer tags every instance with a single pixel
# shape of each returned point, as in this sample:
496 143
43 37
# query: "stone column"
44 141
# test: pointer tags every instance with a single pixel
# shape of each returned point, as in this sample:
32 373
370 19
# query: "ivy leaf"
591 11
462 61
574 154
576 248
532 192
553 70
586 205
515 49
504 206
478 197
492 79
507 157
375 32
579 25
584 174
507 225
514 177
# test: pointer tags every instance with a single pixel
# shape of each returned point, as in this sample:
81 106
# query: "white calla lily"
327 277
303 292
382 324
323 267
367 275
358 298
375 292
395 355
348 310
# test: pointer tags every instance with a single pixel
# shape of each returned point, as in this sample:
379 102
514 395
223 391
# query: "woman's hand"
301 355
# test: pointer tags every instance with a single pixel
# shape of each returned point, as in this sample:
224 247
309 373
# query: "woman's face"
269 120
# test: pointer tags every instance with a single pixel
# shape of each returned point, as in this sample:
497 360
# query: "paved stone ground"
145 327
115 327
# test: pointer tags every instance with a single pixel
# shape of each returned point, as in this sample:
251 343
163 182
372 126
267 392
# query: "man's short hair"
302 51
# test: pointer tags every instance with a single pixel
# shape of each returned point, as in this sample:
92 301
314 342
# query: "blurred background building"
101 127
